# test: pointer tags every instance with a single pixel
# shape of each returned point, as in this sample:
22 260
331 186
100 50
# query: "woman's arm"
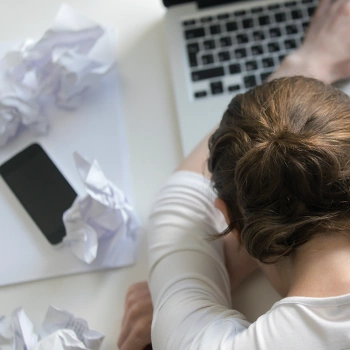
239 263
325 53
135 334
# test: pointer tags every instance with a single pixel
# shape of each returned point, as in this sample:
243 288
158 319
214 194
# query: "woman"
279 166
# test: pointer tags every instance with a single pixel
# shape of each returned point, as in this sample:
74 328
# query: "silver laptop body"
218 50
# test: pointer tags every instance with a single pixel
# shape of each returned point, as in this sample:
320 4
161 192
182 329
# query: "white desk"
154 147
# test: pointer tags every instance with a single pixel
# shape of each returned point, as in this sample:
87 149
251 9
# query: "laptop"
220 48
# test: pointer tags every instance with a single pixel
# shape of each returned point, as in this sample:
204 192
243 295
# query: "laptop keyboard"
233 52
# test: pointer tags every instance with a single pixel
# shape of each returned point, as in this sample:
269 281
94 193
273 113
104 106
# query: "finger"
340 13
123 335
341 7
133 294
135 314
321 14
323 7
138 305
128 319
139 338
132 344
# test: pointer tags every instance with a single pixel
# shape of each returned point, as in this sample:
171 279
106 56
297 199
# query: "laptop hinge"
209 3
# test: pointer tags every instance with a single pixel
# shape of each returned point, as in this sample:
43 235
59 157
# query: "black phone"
41 188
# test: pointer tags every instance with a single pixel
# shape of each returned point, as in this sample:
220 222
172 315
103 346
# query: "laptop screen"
201 3
168 3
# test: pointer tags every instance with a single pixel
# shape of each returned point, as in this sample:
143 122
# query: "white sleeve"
187 275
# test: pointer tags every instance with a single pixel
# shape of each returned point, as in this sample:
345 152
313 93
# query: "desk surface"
154 147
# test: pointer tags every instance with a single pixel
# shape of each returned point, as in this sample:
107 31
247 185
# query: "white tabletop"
154 147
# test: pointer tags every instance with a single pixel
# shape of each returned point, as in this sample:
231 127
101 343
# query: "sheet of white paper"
60 331
96 129
57 69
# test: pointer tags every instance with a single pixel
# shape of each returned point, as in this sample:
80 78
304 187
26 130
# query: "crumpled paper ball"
57 69
60 331
104 213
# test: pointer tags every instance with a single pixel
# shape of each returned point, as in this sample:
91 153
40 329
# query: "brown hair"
280 160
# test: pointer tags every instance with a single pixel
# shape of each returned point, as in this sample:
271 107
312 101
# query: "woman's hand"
325 53
137 321
136 326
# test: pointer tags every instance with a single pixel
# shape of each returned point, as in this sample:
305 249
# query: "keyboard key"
251 65
291 29
235 68
194 33
189 22
268 62
192 58
224 56
209 44
215 29
223 16
240 13
207 59
273 7
208 73
249 81
242 38
290 44
256 9
311 10
258 35
264 20
257 50
296 14
231 26
248 23
233 88
264 76
200 94
273 47
240 53
216 88
206 19
280 17
225 41
290 4
275 32
193 48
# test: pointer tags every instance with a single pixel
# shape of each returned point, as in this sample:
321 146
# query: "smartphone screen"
41 188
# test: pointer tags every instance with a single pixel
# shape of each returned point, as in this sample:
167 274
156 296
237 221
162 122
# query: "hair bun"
281 183
280 162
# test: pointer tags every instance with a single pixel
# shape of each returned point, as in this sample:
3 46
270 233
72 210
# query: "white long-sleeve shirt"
191 292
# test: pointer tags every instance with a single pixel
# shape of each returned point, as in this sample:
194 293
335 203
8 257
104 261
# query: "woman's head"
280 160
